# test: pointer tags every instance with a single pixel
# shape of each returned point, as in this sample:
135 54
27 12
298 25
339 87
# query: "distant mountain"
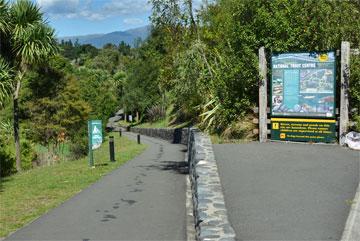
99 40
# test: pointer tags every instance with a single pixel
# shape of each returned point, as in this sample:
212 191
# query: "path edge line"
352 227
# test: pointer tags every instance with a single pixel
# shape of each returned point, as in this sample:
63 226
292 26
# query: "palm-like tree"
5 70
30 41
6 82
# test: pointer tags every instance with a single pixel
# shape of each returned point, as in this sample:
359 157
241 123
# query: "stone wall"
179 135
211 221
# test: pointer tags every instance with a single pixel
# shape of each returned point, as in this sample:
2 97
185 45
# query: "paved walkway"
279 191
142 200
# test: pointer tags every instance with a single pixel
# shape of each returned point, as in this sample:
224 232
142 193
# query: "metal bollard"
138 138
111 148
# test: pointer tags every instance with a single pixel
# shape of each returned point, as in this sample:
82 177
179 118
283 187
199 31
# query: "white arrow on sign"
96 130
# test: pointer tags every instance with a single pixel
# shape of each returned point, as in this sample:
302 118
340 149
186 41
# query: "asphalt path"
142 200
280 191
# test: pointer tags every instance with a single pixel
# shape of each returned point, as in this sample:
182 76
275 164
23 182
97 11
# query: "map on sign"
95 132
303 84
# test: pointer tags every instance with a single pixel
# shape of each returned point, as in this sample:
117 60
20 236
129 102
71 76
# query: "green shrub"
28 154
7 156
6 161
79 147
241 129
357 123
155 113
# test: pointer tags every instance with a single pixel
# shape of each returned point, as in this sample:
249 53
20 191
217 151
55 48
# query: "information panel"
95 134
303 85
305 130
95 138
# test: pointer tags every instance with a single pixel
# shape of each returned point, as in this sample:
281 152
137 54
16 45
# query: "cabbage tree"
29 41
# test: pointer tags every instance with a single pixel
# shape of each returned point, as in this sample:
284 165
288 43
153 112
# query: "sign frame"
327 136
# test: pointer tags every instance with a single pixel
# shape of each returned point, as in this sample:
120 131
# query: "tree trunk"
16 127
191 14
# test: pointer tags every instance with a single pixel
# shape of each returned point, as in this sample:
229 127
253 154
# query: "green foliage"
108 59
209 65
77 51
28 154
28 41
356 119
355 91
59 98
155 113
4 17
140 88
98 89
7 156
53 103
6 81
79 146
32 39
6 160
73 111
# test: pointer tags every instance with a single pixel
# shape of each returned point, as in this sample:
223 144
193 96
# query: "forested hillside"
130 37
198 67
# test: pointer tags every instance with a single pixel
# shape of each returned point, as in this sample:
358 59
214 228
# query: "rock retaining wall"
173 135
211 221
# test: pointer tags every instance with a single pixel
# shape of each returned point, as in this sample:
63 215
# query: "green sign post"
303 88
95 138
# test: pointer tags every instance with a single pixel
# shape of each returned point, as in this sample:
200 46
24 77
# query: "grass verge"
26 196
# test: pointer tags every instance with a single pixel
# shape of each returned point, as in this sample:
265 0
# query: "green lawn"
28 195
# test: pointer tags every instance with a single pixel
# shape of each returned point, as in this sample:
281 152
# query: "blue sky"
80 17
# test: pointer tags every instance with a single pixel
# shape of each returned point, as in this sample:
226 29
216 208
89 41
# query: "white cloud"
100 9
91 15
85 9
59 6
126 7
133 21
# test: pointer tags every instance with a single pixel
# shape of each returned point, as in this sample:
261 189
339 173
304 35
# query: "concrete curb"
190 225
352 226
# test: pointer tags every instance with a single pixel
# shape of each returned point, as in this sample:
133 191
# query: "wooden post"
344 91
262 95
